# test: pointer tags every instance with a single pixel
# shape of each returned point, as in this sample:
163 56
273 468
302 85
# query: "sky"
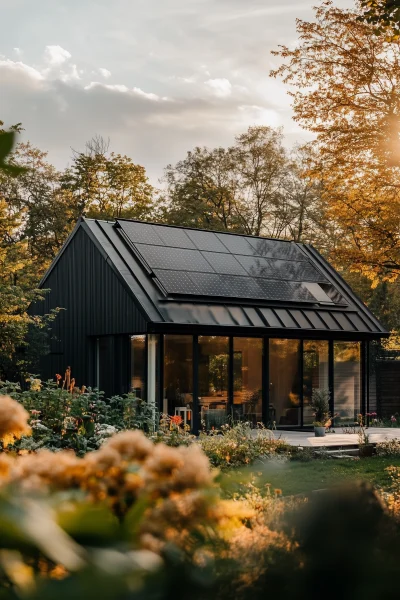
156 77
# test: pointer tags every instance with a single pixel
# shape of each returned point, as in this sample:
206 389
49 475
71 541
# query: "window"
347 381
285 382
247 379
178 376
213 380
138 365
315 373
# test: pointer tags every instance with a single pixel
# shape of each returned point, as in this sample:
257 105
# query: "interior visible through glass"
213 381
247 379
138 365
178 377
347 381
285 382
315 373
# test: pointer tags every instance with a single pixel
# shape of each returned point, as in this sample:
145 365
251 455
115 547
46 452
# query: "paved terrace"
337 439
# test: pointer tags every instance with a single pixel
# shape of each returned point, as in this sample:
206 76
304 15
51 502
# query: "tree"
384 15
15 321
252 187
346 91
106 185
201 191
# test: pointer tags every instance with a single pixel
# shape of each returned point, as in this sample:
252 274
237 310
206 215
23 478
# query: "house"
207 325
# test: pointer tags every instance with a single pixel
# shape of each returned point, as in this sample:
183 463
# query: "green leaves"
7 141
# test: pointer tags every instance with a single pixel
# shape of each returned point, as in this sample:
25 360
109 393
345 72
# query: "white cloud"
104 73
17 51
20 69
56 56
220 87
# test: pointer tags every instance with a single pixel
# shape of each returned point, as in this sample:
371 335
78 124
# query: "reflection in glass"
347 380
138 365
285 382
315 373
247 379
178 377
213 380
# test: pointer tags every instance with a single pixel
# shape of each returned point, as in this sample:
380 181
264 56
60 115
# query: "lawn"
295 477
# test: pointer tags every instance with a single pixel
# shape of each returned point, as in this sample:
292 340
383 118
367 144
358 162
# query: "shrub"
388 448
239 445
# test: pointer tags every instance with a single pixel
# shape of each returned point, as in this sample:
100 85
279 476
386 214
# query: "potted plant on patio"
364 445
320 407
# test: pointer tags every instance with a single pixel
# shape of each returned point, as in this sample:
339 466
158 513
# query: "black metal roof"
183 278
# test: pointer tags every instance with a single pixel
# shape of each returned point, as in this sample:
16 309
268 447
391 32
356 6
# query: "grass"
295 477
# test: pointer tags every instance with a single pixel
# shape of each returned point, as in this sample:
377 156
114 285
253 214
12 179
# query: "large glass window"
285 382
247 379
347 382
178 377
315 373
138 365
213 380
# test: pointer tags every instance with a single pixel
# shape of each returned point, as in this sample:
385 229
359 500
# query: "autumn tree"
18 329
106 185
344 81
384 15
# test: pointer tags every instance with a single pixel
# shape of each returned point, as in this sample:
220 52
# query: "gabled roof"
186 278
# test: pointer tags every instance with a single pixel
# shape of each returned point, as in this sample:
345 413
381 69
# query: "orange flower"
176 420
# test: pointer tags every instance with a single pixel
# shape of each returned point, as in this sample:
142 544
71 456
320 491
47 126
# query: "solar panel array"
189 262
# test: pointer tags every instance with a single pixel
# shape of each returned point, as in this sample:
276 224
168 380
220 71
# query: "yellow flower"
13 419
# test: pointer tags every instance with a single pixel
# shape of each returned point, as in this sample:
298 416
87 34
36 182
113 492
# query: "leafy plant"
319 405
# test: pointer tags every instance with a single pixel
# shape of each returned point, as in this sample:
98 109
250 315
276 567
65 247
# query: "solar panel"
174 259
142 233
295 270
177 282
236 244
275 249
213 264
256 266
205 240
174 237
224 263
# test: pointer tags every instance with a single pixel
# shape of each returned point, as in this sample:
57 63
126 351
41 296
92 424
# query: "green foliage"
319 405
239 446
79 420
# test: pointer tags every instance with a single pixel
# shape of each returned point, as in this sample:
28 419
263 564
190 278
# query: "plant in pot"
320 407
364 445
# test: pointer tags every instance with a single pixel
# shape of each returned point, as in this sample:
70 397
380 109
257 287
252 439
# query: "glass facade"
247 379
347 382
285 382
230 377
213 380
315 373
178 377
138 365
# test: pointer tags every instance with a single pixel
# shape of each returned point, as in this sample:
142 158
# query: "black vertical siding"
96 303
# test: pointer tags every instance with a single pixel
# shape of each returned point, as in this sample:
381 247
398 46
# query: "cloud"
56 56
104 73
220 87
17 51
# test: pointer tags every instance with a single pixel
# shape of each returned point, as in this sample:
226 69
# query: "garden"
97 501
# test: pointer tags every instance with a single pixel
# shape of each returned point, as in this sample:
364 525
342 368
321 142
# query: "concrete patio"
338 439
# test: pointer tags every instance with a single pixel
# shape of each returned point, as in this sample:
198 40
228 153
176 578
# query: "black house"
207 325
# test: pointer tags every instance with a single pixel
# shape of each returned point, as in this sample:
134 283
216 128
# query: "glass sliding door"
285 382
315 373
247 379
213 380
347 382
138 365
178 377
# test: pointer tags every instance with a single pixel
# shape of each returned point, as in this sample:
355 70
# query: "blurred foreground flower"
13 420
